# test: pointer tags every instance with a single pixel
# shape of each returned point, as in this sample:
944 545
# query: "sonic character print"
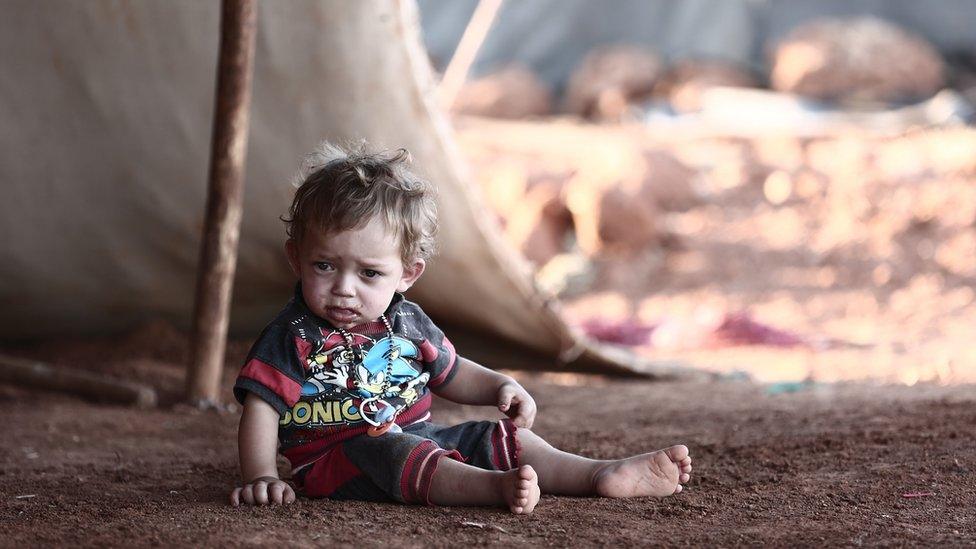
374 379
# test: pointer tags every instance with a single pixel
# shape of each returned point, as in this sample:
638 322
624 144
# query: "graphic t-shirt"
303 367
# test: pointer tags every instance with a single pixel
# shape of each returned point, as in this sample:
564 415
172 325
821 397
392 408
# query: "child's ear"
411 273
291 249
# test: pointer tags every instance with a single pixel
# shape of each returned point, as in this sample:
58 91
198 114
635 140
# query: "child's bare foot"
520 488
659 474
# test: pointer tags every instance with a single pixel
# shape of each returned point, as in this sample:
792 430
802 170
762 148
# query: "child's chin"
344 324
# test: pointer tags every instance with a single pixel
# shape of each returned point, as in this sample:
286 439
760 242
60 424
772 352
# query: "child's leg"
659 473
414 469
456 483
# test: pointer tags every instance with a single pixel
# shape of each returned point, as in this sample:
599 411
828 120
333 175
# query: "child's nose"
343 286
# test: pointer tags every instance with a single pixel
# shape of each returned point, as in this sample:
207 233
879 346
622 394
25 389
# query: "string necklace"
375 404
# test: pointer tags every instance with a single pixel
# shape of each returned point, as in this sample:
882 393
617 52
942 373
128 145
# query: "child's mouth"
341 314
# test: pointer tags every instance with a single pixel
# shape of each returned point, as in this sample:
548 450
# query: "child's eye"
323 266
369 273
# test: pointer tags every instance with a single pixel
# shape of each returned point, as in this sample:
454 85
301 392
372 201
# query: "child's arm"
257 442
475 384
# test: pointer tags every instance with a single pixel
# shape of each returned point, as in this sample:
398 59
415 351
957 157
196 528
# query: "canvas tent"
106 110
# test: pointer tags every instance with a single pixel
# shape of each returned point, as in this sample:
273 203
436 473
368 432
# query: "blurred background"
773 190
779 188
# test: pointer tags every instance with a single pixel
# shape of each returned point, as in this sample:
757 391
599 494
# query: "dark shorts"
400 466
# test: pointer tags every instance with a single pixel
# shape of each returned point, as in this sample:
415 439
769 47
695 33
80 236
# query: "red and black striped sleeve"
436 351
273 370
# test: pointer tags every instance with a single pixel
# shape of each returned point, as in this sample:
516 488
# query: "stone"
616 198
609 79
863 60
539 222
514 92
671 184
614 215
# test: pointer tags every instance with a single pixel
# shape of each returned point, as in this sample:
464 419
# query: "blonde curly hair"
340 189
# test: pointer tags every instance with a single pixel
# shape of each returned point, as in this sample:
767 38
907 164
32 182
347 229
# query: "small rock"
609 78
514 92
861 60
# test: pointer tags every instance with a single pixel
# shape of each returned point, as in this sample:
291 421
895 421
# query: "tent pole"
474 36
90 385
218 251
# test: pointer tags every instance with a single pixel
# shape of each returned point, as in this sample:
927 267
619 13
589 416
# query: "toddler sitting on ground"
340 382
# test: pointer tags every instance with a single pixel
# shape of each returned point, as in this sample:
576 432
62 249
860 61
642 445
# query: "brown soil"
827 465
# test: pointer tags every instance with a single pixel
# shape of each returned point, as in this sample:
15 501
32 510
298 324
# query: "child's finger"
505 396
526 410
261 492
247 494
527 413
276 492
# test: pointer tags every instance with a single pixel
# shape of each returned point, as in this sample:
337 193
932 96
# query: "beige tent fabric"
107 109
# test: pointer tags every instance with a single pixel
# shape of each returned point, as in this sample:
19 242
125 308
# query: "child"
342 378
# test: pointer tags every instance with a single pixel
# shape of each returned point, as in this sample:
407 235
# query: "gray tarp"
552 36
106 110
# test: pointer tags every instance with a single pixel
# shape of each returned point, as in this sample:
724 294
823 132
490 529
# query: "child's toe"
527 473
685 477
677 453
678 488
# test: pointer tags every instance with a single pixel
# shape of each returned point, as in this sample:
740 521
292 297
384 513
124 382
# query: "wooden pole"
218 252
466 51
97 387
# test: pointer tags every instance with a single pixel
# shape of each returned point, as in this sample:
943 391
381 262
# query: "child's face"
349 277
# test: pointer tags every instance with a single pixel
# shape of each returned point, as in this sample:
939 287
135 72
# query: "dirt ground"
835 464
862 435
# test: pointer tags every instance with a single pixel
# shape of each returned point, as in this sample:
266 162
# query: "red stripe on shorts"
505 447
418 471
329 473
411 470
427 475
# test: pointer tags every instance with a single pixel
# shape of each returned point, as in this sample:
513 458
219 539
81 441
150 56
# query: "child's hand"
516 403
262 491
